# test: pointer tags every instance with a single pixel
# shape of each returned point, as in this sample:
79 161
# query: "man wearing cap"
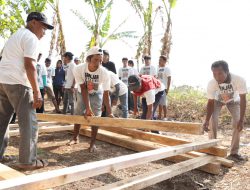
148 69
19 89
69 86
94 81
151 90
49 87
106 63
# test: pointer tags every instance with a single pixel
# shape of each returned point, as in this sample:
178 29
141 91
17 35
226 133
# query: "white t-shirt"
41 71
115 80
124 73
96 81
148 70
50 74
150 94
134 71
21 44
227 92
163 74
69 76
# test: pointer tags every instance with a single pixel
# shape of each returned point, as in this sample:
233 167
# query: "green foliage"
100 28
11 12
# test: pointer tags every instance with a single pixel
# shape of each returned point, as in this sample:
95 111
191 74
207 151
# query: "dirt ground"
52 146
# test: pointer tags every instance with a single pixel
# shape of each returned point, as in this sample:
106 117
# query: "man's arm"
85 97
210 110
169 82
113 68
243 105
149 112
29 65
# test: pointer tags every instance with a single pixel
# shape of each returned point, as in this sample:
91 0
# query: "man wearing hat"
107 63
19 89
151 90
148 69
94 82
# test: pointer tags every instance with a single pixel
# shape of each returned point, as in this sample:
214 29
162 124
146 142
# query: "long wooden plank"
141 145
45 129
8 173
67 175
166 140
176 127
45 123
154 177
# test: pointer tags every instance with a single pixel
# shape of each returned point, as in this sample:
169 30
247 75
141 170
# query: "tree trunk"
53 35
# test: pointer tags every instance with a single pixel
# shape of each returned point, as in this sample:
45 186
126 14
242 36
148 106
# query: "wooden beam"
45 129
45 123
176 127
8 173
142 145
67 175
156 176
165 140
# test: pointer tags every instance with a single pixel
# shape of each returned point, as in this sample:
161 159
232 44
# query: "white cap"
94 51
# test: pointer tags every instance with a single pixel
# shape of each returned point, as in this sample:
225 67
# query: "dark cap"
105 52
147 57
41 18
134 82
69 55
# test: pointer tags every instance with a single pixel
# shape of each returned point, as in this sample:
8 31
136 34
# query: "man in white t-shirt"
42 81
124 73
229 90
49 87
94 82
164 75
19 88
69 86
148 69
119 90
132 65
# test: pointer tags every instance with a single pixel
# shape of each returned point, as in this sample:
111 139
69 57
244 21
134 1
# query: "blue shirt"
59 77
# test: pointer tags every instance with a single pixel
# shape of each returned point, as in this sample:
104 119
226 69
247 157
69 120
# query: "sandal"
92 149
36 165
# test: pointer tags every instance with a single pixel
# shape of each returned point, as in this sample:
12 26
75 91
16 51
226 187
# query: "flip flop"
72 142
7 158
38 164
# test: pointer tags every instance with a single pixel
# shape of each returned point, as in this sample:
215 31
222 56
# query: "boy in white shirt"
229 90
148 69
94 83
49 87
69 86
164 75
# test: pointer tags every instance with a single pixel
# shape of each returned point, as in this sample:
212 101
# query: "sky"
203 31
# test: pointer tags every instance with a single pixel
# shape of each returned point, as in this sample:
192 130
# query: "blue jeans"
158 97
124 104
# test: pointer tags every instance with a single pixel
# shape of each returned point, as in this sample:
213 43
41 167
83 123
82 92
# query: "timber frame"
206 155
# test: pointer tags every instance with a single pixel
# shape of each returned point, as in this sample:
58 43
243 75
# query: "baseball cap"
41 18
105 52
94 51
147 57
134 82
76 59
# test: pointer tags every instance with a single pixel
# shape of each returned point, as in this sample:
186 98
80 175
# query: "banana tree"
57 37
100 28
167 38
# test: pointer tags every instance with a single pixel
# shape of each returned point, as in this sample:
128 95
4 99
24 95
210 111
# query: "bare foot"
72 142
92 149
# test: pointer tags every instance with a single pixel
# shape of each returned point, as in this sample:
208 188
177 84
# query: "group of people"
93 87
